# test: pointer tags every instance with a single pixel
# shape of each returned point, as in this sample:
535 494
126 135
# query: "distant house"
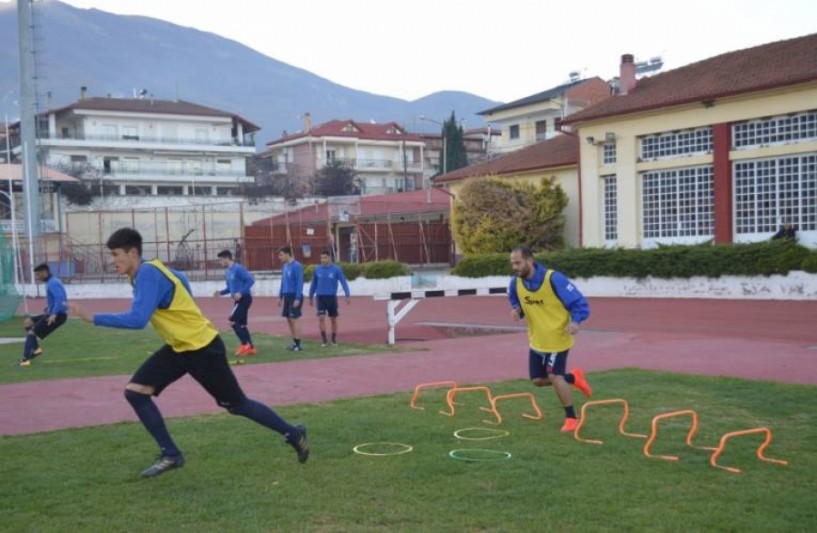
724 149
145 146
411 227
385 157
536 118
555 158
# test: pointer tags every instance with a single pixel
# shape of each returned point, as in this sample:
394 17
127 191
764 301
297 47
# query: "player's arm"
344 283
513 299
148 289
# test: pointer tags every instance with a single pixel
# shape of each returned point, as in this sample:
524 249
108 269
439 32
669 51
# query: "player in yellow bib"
553 309
162 296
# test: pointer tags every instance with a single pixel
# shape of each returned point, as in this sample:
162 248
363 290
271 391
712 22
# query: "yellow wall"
627 129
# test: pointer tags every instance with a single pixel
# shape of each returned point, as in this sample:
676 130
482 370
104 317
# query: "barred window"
775 130
676 144
609 153
775 191
610 208
678 202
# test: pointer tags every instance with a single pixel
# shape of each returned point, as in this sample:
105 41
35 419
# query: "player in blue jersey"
192 346
553 309
239 283
325 280
56 312
291 294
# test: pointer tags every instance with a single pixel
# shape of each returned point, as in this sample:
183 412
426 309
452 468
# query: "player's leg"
556 369
157 372
322 320
209 367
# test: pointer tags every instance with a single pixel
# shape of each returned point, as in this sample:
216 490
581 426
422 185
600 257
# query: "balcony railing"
120 168
148 139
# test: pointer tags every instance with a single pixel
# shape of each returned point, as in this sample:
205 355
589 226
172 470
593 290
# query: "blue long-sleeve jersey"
55 297
151 290
292 280
325 279
571 298
239 280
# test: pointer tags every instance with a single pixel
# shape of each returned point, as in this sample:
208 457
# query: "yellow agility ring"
491 433
400 448
473 455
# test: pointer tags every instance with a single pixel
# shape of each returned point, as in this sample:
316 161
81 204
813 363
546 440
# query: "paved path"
769 340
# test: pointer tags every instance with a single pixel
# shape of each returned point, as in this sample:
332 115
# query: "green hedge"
375 270
712 261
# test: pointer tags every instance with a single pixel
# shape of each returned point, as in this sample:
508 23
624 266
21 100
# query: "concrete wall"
795 286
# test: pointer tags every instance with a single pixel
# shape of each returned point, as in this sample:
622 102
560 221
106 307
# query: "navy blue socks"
151 418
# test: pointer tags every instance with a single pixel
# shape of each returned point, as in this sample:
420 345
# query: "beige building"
385 157
724 149
536 118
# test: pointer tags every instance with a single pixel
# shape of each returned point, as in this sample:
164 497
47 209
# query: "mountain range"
120 55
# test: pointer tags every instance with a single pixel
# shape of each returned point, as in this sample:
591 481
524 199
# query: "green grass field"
79 349
240 477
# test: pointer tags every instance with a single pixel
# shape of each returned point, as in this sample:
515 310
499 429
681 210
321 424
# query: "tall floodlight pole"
28 136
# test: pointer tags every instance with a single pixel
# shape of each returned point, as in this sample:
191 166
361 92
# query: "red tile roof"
152 106
768 66
15 172
562 150
421 201
361 130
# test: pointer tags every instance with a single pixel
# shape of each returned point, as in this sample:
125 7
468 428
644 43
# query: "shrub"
384 269
809 264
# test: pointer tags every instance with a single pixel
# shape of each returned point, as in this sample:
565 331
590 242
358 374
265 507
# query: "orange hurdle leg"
654 433
625 415
430 384
449 398
537 415
719 450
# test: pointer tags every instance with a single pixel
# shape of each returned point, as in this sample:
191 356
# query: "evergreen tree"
493 215
454 139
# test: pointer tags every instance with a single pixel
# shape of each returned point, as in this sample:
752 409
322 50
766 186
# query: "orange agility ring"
537 413
654 433
428 385
449 398
624 417
719 450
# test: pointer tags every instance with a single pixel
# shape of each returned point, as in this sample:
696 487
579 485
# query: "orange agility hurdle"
449 398
621 424
654 433
537 415
413 403
719 450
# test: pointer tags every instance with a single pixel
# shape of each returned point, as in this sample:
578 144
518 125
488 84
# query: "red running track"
768 340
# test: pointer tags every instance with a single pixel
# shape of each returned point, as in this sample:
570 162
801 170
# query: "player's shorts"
542 364
327 305
241 309
208 366
290 309
43 329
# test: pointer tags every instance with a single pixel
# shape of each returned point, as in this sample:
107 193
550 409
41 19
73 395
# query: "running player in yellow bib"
553 309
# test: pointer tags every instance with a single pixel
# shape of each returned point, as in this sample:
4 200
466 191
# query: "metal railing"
146 139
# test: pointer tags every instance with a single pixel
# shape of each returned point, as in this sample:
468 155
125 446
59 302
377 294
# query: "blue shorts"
327 305
542 364
208 366
241 309
43 329
290 309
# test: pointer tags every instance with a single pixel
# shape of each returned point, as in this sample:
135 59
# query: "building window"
541 130
513 132
676 144
130 165
330 156
169 190
677 203
130 133
775 191
608 156
776 130
610 208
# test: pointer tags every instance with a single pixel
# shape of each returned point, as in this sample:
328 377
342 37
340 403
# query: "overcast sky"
498 49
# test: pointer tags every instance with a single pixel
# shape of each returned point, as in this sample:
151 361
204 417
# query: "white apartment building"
144 146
